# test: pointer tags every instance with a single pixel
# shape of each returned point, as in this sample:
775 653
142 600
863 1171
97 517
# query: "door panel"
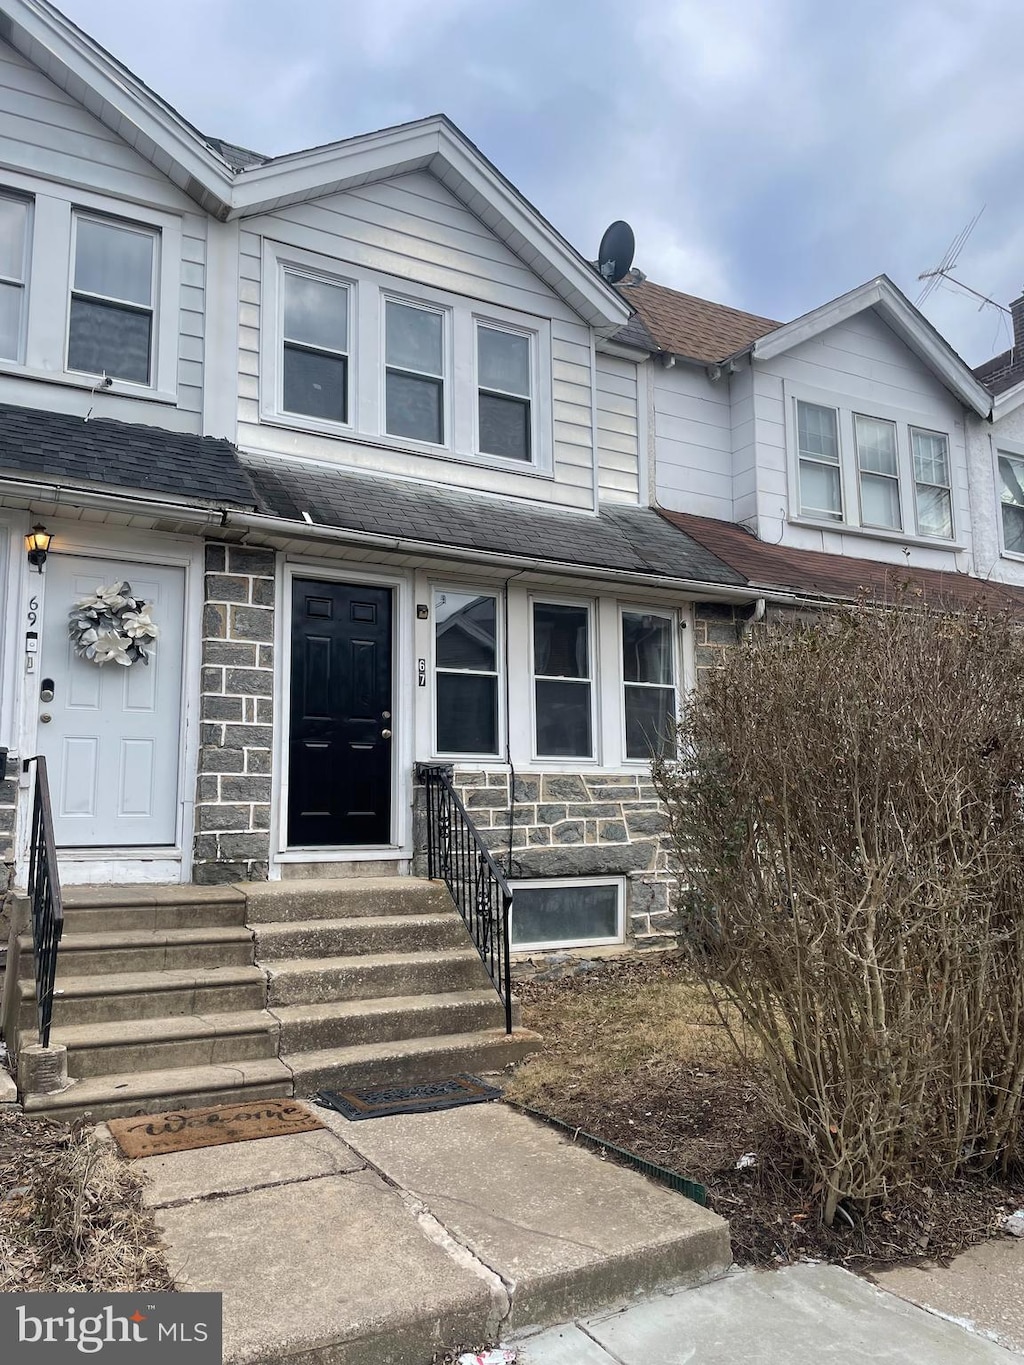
112 742
339 766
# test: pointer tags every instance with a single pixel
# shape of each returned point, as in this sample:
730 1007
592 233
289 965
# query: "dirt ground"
636 1054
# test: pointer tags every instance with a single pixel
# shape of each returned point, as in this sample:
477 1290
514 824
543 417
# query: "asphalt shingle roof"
695 328
633 539
1002 372
125 455
812 573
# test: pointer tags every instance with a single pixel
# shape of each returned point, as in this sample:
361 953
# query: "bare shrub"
849 814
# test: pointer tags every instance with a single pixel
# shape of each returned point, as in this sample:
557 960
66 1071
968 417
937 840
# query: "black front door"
339 777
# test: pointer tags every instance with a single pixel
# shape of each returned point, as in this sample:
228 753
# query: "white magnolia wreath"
112 626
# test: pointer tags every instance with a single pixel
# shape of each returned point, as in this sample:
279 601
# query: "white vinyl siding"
693 435
618 429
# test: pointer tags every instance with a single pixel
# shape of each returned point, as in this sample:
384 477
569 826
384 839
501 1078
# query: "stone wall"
576 825
232 841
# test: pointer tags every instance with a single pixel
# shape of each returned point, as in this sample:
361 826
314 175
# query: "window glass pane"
10 320
564 914
105 339
1011 476
504 361
817 432
414 339
315 384
650 721
504 427
563 719
467 713
560 642
931 461
819 489
315 312
934 513
414 408
114 261
465 628
876 444
646 648
1013 528
13 224
880 501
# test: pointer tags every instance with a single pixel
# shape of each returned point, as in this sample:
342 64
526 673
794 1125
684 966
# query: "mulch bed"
700 1119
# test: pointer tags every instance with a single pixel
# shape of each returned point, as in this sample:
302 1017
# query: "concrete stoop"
400 1237
168 996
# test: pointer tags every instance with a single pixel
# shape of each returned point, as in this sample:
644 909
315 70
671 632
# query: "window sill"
390 443
1013 555
71 380
844 528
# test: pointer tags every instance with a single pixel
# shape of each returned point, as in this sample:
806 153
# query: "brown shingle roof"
692 327
810 573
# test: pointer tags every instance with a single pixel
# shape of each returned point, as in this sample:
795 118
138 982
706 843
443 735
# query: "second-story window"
503 377
932 488
14 222
821 492
414 372
879 472
1011 496
110 330
316 347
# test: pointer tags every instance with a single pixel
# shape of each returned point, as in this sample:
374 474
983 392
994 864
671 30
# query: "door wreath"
112 625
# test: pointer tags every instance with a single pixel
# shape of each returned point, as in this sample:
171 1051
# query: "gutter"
62 494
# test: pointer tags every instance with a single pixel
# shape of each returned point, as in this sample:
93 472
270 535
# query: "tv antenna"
943 271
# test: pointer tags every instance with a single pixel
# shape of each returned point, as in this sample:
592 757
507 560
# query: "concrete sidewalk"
802 1315
381 1242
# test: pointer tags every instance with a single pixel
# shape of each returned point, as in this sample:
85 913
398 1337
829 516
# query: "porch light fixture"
37 542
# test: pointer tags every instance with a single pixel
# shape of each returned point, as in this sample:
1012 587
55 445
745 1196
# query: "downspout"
760 606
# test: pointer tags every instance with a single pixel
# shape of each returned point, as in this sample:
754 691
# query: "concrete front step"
108 952
344 898
184 1040
307 981
111 909
149 995
347 1023
410 1060
346 937
144 1092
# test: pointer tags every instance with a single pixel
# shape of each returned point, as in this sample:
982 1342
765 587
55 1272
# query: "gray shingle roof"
59 446
632 539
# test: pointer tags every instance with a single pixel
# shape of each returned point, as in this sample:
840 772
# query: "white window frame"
446 378
23 284
932 431
1009 450
849 467
593 679
645 609
287 267
464 590
874 474
79 215
528 883
50 273
366 410
491 325
819 513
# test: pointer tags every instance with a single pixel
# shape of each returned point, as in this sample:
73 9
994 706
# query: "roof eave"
1008 401
905 321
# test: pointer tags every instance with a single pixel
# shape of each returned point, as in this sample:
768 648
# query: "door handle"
45 718
385 734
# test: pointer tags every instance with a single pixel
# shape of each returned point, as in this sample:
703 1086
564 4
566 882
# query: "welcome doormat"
180 1130
378 1101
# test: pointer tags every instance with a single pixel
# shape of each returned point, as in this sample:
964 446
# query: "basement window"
571 913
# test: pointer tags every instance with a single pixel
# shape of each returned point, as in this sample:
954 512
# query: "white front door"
111 735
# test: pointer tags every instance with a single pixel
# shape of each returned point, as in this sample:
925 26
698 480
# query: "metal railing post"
45 898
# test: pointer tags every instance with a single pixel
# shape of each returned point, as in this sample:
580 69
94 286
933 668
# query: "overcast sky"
770 154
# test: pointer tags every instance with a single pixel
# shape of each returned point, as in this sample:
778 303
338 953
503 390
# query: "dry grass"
71 1214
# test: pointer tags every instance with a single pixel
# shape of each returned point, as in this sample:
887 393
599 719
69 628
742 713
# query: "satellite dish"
615 254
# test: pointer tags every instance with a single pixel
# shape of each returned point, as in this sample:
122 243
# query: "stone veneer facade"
576 825
232 839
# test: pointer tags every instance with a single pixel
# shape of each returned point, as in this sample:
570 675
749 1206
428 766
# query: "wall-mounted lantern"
37 543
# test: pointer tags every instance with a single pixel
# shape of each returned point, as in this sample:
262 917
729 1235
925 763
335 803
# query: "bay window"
562 671
466 672
648 673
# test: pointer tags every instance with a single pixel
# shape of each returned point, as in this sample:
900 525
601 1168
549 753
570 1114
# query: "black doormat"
377 1101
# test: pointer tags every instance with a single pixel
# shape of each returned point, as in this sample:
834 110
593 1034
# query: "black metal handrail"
457 855
44 895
